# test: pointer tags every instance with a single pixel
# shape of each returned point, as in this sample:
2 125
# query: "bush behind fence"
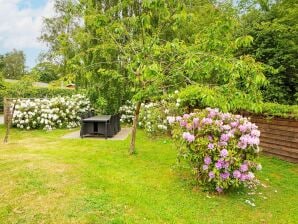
33 92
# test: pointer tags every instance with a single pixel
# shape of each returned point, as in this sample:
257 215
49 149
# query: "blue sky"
20 26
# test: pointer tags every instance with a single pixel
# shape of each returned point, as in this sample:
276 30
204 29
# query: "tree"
57 33
147 46
46 71
274 28
13 64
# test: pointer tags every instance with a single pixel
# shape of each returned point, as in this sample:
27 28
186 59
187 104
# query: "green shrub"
230 100
12 90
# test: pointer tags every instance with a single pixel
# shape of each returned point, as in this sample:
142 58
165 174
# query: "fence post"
6 110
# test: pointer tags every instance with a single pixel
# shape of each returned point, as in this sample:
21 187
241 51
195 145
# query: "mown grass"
46 179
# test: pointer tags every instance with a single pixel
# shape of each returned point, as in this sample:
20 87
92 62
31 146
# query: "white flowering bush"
222 148
48 114
127 112
153 115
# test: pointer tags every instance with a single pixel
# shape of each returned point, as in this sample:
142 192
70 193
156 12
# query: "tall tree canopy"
12 64
274 27
147 48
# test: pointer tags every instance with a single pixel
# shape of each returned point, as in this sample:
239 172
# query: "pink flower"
225 175
207 120
249 140
186 116
224 137
225 165
236 174
225 116
183 123
196 122
243 167
219 189
188 137
205 167
219 164
243 177
210 146
212 112
207 160
256 133
211 175
242 145
234 124
218 123
224 153
242 128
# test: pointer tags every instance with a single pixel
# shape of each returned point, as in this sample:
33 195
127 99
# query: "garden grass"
47 179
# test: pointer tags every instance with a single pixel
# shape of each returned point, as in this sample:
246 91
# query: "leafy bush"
221 148
153 118
153 115
278 110
228 100
48 114
127 112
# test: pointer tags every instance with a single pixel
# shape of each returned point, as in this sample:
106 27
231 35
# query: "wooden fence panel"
279 137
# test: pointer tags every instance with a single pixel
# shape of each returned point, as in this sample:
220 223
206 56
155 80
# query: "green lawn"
44 179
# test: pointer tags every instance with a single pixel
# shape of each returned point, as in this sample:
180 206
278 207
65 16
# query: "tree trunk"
134 129
9 121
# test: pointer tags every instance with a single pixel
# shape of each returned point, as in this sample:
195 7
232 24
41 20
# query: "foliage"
12 64
106 91
153 118
221 148
48 114
127 112
57 34
150 48
277 110
1 81
24 89
223 97
46 72
274 29
153 115
199 97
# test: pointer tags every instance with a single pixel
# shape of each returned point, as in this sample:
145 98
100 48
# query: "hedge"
198 96
10 91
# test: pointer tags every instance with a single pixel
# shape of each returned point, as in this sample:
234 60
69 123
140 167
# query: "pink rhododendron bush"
222 148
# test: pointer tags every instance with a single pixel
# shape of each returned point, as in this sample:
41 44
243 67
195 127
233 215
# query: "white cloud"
20 27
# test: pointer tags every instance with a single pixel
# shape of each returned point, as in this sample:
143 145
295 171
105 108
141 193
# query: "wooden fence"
279 137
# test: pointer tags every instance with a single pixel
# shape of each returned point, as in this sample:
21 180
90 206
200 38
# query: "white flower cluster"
153 115
152 119
127 112
48 114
